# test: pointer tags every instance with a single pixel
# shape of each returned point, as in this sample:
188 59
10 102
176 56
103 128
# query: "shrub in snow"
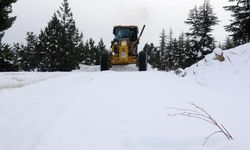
180 72
200 113
219 54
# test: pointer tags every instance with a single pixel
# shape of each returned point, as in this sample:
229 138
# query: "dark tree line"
59 47
175 53
34 56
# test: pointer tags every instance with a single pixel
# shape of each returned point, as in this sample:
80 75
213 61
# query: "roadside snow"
15 80
233 71
86 68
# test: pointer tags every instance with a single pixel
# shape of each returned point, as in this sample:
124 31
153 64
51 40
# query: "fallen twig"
200 113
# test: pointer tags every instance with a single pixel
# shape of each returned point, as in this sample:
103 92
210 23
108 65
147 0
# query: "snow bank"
235 67
20 79
87 68
236 59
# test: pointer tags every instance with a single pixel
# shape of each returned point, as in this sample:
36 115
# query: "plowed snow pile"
118 110
234 68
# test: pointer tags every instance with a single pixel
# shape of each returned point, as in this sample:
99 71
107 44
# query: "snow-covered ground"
118 110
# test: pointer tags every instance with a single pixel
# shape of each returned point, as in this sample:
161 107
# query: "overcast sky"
96 18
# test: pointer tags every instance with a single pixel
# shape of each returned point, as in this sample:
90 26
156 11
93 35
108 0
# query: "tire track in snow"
27 115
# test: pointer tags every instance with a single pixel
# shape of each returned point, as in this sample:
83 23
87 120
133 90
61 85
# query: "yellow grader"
124 49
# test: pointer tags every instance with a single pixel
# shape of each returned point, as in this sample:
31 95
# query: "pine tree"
26 54
60 44
228 43
201 21
163 50
182 51
170 52
175 55
190 54
100 48
5 20
17 49
50 54
240 24
208 20
149 53
194 21
7 58
82 51
93 51
71 38
153 54
87 54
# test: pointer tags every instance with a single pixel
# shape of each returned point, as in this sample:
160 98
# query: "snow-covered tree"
87 54
208 19
168 63
228 43
26 54
6 21
50 53
99 49
7 58
153 55
194 21
182 50
240 24
190 54
59 47
201 21
93 51
163 49
71 39
175 55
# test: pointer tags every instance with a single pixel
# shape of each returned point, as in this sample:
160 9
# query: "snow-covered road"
123 110
29 111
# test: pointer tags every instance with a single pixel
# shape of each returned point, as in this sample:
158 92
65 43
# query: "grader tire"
105 61
142 61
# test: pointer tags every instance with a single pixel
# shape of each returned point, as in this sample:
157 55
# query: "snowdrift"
232 71
237 61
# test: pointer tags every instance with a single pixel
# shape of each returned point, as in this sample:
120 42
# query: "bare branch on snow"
200 113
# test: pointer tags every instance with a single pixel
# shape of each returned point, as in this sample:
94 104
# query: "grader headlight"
124 43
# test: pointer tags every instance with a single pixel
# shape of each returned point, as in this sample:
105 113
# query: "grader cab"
124 49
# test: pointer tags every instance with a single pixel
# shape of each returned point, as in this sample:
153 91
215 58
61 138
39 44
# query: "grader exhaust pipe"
141 33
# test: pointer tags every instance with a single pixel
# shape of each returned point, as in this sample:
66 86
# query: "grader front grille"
118 60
